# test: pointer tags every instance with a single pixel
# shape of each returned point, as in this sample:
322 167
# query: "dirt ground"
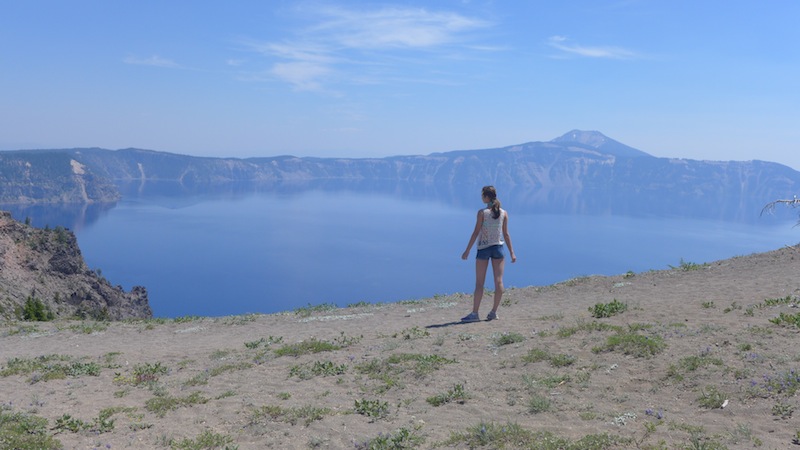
676 346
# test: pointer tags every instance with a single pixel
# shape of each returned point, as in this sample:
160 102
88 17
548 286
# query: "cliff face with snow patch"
50 177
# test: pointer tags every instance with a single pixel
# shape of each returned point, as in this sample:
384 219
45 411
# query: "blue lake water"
264 252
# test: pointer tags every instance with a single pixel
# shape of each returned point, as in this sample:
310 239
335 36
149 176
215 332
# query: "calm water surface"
265 253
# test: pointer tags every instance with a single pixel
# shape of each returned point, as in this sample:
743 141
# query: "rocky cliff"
46 267
50 177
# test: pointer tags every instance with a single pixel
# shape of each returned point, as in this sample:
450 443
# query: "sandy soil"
691 338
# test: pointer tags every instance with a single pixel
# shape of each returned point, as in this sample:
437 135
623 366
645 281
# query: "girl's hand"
465 255
513 258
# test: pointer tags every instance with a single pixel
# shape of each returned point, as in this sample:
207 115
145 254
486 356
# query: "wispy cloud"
365 46
303 75
154 60
394 27
564 45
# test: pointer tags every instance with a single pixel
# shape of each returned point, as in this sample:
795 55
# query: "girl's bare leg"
481 265
497 268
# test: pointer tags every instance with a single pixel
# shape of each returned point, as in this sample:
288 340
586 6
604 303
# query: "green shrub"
633 344
374 409
508 338
456 394
402 438
46 368
206 440
160 405
266 342
101 424
289 415
711 398
144 373
613 308
511 435
387 370
689 266
312 345
787 319
317 368
538 403
306 311
535 355
25 432
785 383
36 311
562 360
782 410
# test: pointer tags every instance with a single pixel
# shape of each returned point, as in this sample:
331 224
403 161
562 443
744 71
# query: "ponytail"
490 193
495 208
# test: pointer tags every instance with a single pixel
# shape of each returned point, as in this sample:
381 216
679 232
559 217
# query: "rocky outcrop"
46 266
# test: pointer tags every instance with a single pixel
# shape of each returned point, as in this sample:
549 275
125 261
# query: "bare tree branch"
770 207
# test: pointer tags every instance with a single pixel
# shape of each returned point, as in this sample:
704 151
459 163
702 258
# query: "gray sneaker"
471 317
492 316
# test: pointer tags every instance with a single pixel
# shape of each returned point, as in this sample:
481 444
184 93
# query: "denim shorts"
493 252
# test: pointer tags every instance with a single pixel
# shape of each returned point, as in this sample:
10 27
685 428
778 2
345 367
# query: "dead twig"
769 208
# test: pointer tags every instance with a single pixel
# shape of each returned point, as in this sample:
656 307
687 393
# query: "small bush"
101 424
388 370
374 409
784 383
25 431
783 410
290 415
36 311
317 368
456 394
711 398
613 308
266 342
538 403
535 355
508 338
511 435
206 440
689 266
46 368
160 405
414 332
788 300
145 373
787 319
562 360
312 345
306 311
633 344
402 438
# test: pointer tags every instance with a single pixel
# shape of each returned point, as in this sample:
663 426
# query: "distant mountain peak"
591 138
598 141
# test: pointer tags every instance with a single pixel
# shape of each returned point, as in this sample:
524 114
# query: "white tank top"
491 230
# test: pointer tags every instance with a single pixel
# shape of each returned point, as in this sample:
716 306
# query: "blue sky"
716 80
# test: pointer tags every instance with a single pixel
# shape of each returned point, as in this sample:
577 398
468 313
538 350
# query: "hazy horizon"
357 79
211 155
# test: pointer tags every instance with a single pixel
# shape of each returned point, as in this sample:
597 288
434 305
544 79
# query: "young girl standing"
491 232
